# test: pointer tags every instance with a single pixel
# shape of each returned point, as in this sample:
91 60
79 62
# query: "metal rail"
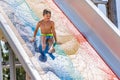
1 75
99 2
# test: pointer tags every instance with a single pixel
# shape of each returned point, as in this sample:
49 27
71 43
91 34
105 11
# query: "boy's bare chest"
46 25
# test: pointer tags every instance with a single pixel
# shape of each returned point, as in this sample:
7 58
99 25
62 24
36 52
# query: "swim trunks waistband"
46 34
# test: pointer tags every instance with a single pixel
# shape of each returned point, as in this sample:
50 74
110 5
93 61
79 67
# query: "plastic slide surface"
75 58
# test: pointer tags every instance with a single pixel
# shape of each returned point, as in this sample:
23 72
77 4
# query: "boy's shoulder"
40 21
51 21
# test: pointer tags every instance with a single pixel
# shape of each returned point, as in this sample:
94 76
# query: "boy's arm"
37 27
53 31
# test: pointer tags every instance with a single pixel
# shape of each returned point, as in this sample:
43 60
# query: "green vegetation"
20 72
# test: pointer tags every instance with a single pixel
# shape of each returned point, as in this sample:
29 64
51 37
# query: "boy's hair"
45 11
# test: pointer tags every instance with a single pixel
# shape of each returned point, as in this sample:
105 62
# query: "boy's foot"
52 56
43 58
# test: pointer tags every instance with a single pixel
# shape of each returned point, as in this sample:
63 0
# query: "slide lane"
101 34
75 58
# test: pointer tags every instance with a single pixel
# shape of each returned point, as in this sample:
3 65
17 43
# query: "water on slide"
75 58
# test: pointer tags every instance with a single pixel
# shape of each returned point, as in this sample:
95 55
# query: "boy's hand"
32 39
54 43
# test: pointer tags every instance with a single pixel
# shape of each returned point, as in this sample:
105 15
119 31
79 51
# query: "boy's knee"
50 41
43 46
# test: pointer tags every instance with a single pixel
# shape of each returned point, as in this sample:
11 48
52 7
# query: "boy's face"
47 16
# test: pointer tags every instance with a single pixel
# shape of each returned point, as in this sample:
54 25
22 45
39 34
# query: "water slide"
89 48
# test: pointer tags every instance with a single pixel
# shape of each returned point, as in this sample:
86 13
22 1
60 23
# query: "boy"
47 33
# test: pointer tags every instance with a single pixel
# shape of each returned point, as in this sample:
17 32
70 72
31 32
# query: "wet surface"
75 58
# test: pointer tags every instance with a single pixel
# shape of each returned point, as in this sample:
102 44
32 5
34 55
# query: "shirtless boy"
47 33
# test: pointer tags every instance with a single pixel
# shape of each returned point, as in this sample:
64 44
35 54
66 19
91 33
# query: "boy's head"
46 14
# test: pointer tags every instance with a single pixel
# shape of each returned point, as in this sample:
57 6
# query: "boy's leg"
51 50
43 42
43 57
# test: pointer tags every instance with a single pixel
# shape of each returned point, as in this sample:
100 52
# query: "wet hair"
45 11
